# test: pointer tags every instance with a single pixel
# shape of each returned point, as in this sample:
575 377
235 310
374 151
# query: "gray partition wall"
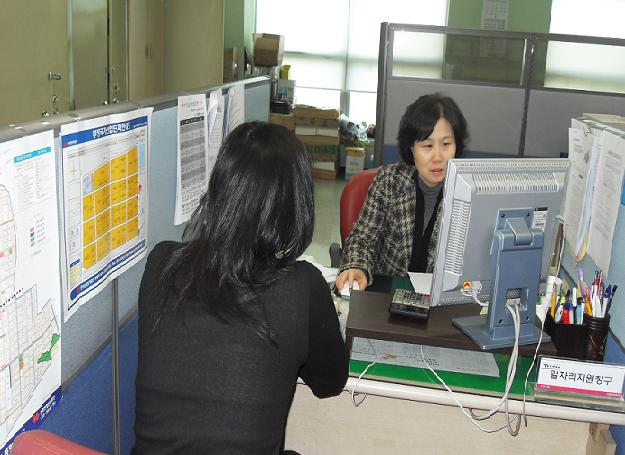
513 105
92 328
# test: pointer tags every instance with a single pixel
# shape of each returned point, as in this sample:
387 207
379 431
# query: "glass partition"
506 58
584 66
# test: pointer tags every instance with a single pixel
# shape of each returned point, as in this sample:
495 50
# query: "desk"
406 418
369 318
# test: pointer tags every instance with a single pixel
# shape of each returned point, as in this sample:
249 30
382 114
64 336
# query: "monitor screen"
497 231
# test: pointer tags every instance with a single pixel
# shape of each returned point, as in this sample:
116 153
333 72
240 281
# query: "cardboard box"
317 140
308 111
286 91
288 121
268 49
325 170
323 153
354 161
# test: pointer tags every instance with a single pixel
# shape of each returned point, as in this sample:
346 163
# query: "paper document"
192 163
580 150
105 183
421 282
589 191
606 199
215 126
409 355
30 289
236 107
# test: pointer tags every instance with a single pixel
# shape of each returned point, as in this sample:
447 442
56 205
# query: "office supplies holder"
516 260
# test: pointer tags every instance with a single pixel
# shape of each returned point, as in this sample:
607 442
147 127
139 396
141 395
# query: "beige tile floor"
327 197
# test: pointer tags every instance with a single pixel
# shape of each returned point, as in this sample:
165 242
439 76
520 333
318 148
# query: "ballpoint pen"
579 316
606 302
612 291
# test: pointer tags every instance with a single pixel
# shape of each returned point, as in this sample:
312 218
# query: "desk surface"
369 318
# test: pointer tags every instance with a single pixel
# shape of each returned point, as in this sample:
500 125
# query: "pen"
559 311
580 273
566 313
580 311
588 306
612 291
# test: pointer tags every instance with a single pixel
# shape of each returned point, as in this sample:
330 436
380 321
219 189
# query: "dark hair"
255 219
419 121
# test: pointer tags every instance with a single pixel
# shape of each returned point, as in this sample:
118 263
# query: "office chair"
40 442
352 199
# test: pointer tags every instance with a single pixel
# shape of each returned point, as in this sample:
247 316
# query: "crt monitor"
495 242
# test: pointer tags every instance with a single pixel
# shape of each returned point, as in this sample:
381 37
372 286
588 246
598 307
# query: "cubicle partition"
99 342
513 105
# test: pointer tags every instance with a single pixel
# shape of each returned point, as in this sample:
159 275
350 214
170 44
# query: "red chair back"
40 442
352 199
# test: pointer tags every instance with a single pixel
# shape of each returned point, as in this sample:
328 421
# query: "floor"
327 196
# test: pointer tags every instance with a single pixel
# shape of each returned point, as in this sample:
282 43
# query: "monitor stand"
517 260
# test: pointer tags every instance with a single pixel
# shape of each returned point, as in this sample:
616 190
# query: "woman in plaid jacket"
397 229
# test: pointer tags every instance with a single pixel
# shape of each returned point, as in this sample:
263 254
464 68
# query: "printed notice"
30 289
409 355
192 171
105 176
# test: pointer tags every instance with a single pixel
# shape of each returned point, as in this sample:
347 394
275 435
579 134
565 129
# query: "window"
332 46
586 66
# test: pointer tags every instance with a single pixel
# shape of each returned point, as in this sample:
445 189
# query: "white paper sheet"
236 107
192 163
406 354
421 282
580 149
606 199
30 289
105 183
216 127
587 201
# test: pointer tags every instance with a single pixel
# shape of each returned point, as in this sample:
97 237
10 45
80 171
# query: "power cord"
353 392
474 418
473 290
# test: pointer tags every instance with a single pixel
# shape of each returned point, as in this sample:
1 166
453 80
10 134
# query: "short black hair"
421 117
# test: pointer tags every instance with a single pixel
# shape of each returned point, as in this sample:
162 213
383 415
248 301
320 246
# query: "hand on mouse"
350 276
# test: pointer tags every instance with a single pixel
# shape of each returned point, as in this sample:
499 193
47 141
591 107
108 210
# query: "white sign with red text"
588 378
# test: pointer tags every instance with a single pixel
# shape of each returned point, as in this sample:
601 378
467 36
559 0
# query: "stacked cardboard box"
286 120
318 129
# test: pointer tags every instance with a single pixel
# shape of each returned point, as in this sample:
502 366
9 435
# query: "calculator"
410 303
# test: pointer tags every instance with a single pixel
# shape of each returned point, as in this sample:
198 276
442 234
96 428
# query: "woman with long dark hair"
230 319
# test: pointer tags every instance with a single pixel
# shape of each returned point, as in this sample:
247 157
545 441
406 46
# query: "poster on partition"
30 289
192 161
105 184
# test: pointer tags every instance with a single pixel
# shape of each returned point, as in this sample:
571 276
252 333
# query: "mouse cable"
364 395
509 379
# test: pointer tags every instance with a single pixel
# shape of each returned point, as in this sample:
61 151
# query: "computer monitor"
495 241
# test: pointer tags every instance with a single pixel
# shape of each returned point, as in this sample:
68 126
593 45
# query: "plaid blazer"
381 238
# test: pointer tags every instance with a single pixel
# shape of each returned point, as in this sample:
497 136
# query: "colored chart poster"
30 287
105 181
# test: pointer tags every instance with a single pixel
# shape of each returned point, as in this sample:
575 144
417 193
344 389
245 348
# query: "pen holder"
569 339
596 336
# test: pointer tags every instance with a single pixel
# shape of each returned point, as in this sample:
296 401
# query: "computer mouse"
346 291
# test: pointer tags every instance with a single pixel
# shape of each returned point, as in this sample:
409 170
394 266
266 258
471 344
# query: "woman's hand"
349 276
